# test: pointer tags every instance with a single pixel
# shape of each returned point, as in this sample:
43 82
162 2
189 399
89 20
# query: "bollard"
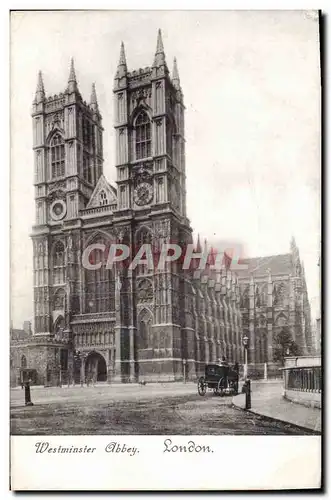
27 394
265 371
248 400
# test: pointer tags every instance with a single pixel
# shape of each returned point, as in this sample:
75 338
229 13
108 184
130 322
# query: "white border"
123 4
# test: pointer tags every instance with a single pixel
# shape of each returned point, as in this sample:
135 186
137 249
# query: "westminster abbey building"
143 324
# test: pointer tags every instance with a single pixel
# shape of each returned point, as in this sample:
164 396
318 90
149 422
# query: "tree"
284 346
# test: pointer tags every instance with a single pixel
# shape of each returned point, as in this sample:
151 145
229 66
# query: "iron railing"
307 379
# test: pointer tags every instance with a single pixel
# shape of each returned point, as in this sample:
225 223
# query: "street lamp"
184 367
245 344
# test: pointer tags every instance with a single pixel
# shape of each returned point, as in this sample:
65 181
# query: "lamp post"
81 356
245 344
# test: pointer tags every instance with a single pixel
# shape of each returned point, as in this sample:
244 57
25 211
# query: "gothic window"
144 329
263 295
279 294
87 171
169 138
99 283
143 237
145 291
281 320
59 299
103 198
57 156
244 302
58 263
59 327
143 136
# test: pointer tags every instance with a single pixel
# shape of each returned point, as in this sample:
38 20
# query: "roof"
259 266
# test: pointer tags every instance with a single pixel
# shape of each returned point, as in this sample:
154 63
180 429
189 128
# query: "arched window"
143 136
244 299
58 263
57 156
23 362
103 198
99 283
59 299
145 291
144 329
279 293
59 327
143 237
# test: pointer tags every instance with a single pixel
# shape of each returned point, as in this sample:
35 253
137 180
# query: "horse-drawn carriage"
221 378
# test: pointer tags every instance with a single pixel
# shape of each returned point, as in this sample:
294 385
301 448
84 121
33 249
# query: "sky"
251 83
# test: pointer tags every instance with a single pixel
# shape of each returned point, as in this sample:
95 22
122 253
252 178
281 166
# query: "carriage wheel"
221 387
202 388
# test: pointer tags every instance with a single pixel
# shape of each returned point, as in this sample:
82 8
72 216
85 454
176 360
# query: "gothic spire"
121 67
72 74
40 91
198 247
175 75
94 100
159 58
122 61
72 81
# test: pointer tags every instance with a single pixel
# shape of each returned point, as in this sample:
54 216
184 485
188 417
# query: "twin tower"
119 324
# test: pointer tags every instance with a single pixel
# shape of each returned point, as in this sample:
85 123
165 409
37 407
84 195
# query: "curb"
274 419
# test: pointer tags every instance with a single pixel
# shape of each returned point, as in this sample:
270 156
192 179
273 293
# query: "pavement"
268 401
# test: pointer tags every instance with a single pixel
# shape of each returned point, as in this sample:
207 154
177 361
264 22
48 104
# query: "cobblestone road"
133 409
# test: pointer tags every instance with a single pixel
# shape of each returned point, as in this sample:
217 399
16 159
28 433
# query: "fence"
303 384
307 379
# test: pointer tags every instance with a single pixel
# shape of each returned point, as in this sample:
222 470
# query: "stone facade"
120 324
273 296
127 324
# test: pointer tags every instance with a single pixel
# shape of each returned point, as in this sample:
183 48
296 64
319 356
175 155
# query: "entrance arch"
95 367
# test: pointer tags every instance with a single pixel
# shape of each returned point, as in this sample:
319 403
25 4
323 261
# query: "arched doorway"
95 367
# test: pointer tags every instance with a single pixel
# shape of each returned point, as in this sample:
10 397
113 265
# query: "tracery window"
59 327
59 299
244 299
143 136
57 156
145 291
144 329
59 263
279 293
103 198
99 283
144 237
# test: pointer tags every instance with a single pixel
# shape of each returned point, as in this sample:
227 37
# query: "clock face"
143 194
58 209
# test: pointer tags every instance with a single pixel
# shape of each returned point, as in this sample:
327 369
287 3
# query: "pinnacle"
198 247
175 74
122 61
94 100
72 74
40 84
40 91
159 45
159 58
